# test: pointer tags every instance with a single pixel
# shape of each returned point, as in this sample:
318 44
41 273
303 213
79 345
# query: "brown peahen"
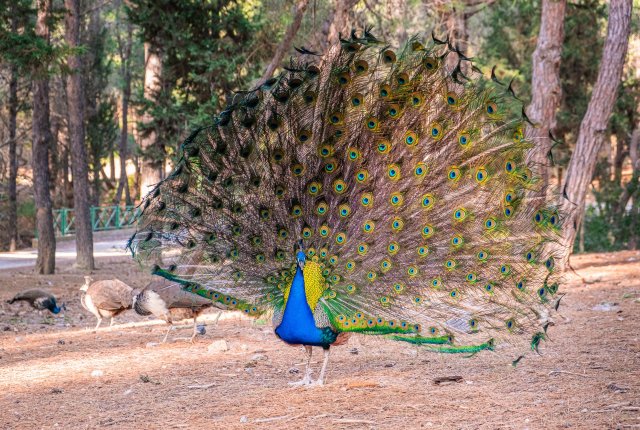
371 191
106 299
169 301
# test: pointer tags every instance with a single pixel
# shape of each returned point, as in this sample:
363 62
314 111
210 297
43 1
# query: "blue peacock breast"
298 325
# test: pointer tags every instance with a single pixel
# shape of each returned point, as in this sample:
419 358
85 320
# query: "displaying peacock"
371 191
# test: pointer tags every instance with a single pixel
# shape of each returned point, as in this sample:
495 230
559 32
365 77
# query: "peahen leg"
215 320
167 334
320 380
307 371
111 323
98 325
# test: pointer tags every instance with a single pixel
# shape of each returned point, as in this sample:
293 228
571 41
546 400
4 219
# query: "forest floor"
55 372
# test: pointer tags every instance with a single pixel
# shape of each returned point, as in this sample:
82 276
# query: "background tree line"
93 88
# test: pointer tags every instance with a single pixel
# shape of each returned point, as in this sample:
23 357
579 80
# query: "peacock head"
54 308
300 259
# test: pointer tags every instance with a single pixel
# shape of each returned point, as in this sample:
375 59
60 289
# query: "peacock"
372 191
106 299
39 299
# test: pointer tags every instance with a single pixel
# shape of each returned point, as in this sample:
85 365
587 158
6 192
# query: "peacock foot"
306 381
317 383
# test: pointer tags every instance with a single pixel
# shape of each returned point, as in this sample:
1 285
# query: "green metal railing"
102 218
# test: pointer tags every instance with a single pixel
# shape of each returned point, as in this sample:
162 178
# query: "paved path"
106 244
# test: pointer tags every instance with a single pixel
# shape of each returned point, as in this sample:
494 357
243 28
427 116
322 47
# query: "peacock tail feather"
407 184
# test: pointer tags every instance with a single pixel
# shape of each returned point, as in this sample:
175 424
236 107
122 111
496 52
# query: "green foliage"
512 27
601 235
32 55
208 51
585 25
27 209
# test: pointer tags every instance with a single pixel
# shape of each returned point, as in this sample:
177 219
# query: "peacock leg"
167 334
111 323
325 361
307 371
195 328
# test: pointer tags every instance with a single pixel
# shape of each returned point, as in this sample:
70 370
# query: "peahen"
371 191
168 301
106 299
39 299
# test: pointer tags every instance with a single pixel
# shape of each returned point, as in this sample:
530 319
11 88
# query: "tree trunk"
79 167
594 124
45 263
340 23
65 177
285 45
151 169
632 189
545 84
125 71
455 21
13 158
95 196
337 23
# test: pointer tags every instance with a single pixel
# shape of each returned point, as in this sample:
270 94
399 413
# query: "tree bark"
151 169
632 189
594 124
45 263
13 158
79 166
285 45
125 71
340 23
546 85
337 23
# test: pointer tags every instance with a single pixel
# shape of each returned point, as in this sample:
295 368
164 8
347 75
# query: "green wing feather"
407 182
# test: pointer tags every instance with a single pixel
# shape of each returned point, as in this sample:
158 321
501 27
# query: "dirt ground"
55 372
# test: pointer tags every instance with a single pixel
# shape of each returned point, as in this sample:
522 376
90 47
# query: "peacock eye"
411 138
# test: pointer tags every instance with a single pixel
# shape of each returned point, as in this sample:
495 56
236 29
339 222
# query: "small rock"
259 357
389 364
219 345
294 370
201 330
243 419
442 380
354 351
97 373
7 328
616 388
61 342
19 338
127 392
151 344
56 390
146 379
605 307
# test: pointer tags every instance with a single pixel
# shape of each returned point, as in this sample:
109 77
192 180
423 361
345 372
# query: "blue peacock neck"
298 324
